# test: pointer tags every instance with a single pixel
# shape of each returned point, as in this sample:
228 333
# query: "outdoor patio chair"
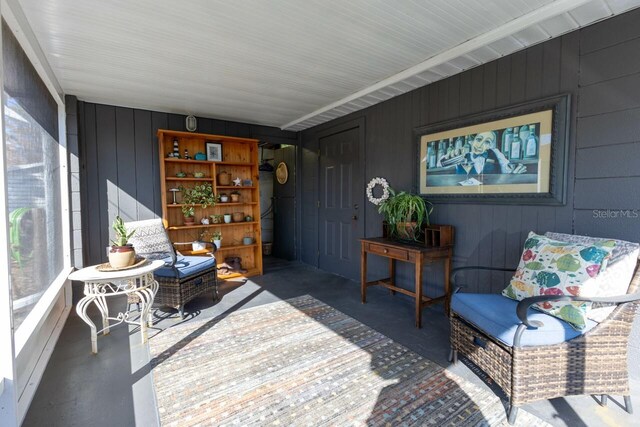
532 355
183 277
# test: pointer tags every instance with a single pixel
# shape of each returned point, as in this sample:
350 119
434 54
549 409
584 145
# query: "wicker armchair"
593 362
184 277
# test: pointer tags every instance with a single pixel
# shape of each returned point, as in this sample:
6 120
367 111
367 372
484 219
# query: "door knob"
354 217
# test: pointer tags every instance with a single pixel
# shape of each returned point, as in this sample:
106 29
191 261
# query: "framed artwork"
214 151
513 155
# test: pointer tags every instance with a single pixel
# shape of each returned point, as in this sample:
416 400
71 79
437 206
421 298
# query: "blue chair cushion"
496 316
186 266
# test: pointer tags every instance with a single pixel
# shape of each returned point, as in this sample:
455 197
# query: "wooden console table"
417 254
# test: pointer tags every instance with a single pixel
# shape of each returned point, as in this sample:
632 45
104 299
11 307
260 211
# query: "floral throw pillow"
552 267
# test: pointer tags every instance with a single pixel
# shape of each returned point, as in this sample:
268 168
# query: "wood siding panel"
551 61
608 162
609 129
607 193
107 172
610 32
611 95
611 63
127 165
146 170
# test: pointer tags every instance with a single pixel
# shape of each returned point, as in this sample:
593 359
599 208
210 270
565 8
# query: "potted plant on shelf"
405 214
122 253
199 194
216 238
189 212
235 196
224 198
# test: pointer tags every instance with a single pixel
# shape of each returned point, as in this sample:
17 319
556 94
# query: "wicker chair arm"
523 306
455 272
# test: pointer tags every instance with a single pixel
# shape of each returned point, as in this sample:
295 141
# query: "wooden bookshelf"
240 159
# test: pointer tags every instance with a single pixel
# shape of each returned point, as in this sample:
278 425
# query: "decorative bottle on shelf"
467 145
186 154
524 133
531 144
176 148
516 146
432 155
459 143
442 148
507 138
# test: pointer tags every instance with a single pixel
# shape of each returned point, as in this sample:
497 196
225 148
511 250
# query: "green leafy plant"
188 211
405 213
15 218
122 234
210 236
199 194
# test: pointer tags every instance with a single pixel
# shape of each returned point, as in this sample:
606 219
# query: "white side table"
101 284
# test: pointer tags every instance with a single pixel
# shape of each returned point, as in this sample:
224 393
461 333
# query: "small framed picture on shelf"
214 151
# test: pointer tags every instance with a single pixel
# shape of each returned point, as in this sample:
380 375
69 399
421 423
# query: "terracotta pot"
235 197
237 216
122 256
224 178
189 220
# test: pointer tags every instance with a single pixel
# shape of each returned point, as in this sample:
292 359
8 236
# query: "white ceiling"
286 63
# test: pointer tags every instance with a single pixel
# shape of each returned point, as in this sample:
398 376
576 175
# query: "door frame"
343 125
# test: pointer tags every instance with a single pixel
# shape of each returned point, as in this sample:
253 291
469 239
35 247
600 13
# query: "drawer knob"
386 251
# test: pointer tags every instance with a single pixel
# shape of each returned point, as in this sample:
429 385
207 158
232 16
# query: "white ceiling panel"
559 25
591 12
284 63
532 35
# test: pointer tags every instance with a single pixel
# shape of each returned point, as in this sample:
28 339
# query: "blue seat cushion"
496 316
186 266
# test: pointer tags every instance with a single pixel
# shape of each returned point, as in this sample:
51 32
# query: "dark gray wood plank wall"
607 202
120 168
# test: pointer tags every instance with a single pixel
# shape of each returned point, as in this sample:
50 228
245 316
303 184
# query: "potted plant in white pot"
122 254
216 238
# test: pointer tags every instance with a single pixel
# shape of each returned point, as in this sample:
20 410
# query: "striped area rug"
302 363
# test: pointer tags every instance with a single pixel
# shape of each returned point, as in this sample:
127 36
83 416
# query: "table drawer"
388 252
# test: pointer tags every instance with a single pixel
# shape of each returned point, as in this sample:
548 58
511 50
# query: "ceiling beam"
534 17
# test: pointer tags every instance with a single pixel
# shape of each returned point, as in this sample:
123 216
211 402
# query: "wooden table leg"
392 274
363 274
419 291
447 284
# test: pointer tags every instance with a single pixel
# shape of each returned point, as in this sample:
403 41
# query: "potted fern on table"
405 214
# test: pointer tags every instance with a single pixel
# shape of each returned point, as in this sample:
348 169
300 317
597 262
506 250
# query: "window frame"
20 369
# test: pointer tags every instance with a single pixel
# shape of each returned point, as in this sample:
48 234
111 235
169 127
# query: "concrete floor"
115 388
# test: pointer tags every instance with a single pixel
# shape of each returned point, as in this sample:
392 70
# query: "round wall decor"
282 173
